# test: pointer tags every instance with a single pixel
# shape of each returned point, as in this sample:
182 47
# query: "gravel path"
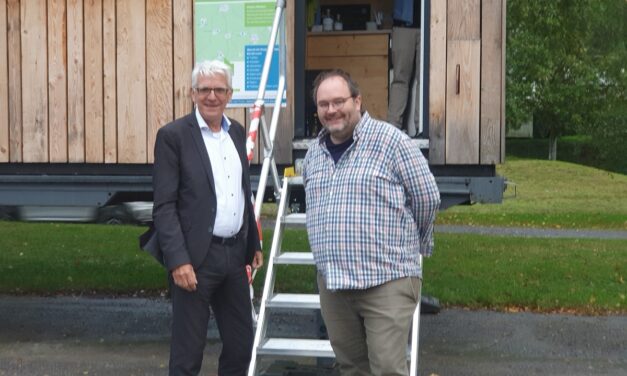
533 232
268 224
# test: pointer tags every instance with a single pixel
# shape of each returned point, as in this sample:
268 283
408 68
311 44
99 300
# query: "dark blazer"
184 210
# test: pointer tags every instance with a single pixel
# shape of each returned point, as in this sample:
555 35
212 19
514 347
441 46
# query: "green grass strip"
475 271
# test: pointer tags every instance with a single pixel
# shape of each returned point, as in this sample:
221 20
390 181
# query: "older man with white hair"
205 225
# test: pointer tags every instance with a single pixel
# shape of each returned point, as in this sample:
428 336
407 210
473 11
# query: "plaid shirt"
370 216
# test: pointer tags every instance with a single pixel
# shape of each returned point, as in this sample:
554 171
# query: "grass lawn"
551 194
585 276
505 273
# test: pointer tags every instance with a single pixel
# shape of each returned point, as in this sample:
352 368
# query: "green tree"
607 47
563 65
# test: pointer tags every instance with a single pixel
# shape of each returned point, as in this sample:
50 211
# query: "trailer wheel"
115 215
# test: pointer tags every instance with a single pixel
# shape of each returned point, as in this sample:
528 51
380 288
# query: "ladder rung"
317 348
295 219
296 180
302 301
295 258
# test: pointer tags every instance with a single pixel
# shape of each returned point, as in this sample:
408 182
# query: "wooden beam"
160 104
4 85
183 56
437 83
14 45
462 101
491 73
464 19
503 81
76 82
109 66
94 106
57 83
34 81
131 75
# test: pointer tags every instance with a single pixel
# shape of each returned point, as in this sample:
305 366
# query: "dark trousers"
223 285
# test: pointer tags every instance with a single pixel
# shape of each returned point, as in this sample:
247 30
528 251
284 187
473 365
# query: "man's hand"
257 260
184 277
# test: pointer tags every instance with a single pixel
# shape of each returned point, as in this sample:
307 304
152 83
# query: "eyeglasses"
218 91
337 103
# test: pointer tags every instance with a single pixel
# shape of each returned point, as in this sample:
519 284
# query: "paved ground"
104 336
514 231
534 232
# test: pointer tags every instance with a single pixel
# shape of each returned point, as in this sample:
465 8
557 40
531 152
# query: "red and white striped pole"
255 113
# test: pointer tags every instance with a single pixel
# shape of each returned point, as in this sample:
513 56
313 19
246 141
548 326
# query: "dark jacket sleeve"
165 188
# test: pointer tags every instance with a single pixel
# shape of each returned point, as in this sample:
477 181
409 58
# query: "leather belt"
224 241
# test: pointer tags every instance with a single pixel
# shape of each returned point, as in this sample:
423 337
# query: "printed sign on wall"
237 32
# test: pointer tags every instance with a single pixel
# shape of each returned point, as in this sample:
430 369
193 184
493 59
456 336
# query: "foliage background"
566 68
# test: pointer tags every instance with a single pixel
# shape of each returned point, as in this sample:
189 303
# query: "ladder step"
295 219
295 181
303 301
316 348
295 258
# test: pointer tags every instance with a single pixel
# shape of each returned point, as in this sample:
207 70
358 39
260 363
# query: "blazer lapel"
194 128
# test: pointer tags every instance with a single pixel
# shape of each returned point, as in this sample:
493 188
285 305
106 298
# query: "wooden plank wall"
14 52
34 81
91 81
57 80
462 81
466 94
4 85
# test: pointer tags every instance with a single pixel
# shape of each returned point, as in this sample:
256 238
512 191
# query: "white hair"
211 68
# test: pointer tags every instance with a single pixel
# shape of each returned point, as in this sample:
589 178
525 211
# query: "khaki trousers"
369 329
405 57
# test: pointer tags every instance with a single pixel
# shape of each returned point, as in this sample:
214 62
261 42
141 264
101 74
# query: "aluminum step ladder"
270 300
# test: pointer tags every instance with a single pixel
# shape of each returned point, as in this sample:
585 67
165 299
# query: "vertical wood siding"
91 81
491 73
4 85
75 83
183 56
57 80
14 52
109 64
94 106
34 81
160 97
466 91
131 75
437 83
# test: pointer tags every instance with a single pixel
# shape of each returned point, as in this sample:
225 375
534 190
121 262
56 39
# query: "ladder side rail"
268 162
274 124
415 333
257 108
268 286
280 6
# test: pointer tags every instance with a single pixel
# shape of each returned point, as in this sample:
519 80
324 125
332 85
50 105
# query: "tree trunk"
552 146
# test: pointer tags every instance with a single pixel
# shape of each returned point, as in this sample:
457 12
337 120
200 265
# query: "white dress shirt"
227 176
